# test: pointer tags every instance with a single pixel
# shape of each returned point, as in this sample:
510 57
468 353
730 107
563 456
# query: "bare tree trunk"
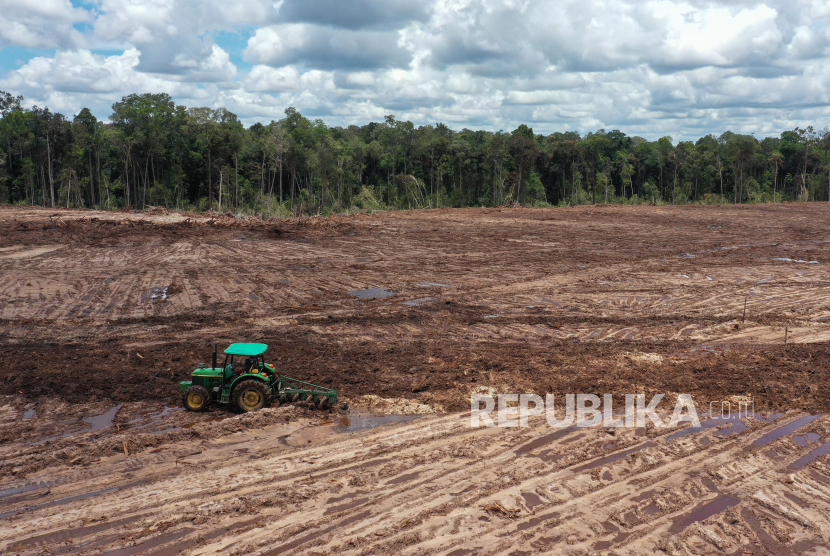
126 181
221 173
49 162
91 181
262 175
774 183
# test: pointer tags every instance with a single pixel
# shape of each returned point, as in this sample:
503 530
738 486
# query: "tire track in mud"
409 491
572 290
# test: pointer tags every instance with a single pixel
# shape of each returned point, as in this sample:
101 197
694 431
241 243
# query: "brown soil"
543 300
583 300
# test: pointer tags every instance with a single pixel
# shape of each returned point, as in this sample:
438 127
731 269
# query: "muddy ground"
100 311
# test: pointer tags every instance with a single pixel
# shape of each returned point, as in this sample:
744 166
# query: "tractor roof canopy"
247 350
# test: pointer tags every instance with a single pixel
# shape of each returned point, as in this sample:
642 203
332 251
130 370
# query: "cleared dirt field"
110 310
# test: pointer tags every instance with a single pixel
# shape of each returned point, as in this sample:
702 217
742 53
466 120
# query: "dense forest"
157 153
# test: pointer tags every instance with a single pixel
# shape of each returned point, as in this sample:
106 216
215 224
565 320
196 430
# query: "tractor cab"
248 383
244 379
241 359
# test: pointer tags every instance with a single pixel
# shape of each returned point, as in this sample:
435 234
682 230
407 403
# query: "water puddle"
651 509
818 452
550 456
416 302
798 500
345 497
532 500
103 421
769 543
70 499
819 477
605 545
29 413
542 440
612 458
643 496
371 293
709 483
177 549
736 426
64 536
785 430
146 545
351 424
25 488
98 422
705 511
533 522
434 285
403 478
347 506
804 440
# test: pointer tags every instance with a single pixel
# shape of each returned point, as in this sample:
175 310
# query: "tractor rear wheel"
195 398
251 395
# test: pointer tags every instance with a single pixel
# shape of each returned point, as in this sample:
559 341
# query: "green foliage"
535 191
366 201
156 152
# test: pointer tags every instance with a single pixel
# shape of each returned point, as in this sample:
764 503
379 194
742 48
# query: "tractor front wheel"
196 398
251 395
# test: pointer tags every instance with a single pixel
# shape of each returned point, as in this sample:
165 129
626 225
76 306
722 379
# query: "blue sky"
651 68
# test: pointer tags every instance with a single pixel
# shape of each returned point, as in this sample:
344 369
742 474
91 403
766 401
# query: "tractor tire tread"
202 391
246 384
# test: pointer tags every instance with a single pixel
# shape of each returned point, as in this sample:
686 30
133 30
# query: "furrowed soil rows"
103 313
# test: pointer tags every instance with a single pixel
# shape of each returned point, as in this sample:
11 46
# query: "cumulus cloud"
174 37
651 67
320 47
41 24
356 14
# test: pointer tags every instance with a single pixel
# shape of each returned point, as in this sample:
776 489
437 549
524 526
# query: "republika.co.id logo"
589 410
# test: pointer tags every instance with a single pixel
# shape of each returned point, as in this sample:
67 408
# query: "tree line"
154 152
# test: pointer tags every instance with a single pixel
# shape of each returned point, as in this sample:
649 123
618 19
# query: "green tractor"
248 383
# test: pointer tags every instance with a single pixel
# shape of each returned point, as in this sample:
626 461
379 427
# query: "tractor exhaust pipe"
215 354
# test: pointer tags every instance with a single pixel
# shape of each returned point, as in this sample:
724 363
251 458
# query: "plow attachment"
295 390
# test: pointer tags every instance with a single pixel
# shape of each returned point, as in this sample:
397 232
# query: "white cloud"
41 23
174 35
321 47
653 67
